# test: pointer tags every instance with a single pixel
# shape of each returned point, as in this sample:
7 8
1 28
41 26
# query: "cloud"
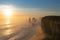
36 11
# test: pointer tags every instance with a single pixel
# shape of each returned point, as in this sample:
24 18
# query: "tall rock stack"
51 27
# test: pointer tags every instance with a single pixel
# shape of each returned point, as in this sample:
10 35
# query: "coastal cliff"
51 27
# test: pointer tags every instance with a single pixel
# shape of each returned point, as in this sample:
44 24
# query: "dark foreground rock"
51 27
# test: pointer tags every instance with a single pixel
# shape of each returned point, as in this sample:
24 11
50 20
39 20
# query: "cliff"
51 27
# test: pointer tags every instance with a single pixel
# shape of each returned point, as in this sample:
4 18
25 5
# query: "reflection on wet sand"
8 32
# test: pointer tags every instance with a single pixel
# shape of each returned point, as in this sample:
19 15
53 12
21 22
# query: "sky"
35 6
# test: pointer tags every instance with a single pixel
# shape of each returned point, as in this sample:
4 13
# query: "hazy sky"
35 6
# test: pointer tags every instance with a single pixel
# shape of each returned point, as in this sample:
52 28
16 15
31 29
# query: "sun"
7 10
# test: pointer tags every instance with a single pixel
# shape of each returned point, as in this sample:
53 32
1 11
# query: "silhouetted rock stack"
51 27
30 20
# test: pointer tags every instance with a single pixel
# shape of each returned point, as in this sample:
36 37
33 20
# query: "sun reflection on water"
7 11
10 22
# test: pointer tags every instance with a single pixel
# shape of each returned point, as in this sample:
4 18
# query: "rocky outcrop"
51 27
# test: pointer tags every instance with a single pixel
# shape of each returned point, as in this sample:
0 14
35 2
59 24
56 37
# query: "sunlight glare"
7 10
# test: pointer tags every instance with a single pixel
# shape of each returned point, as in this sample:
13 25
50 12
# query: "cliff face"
51 27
